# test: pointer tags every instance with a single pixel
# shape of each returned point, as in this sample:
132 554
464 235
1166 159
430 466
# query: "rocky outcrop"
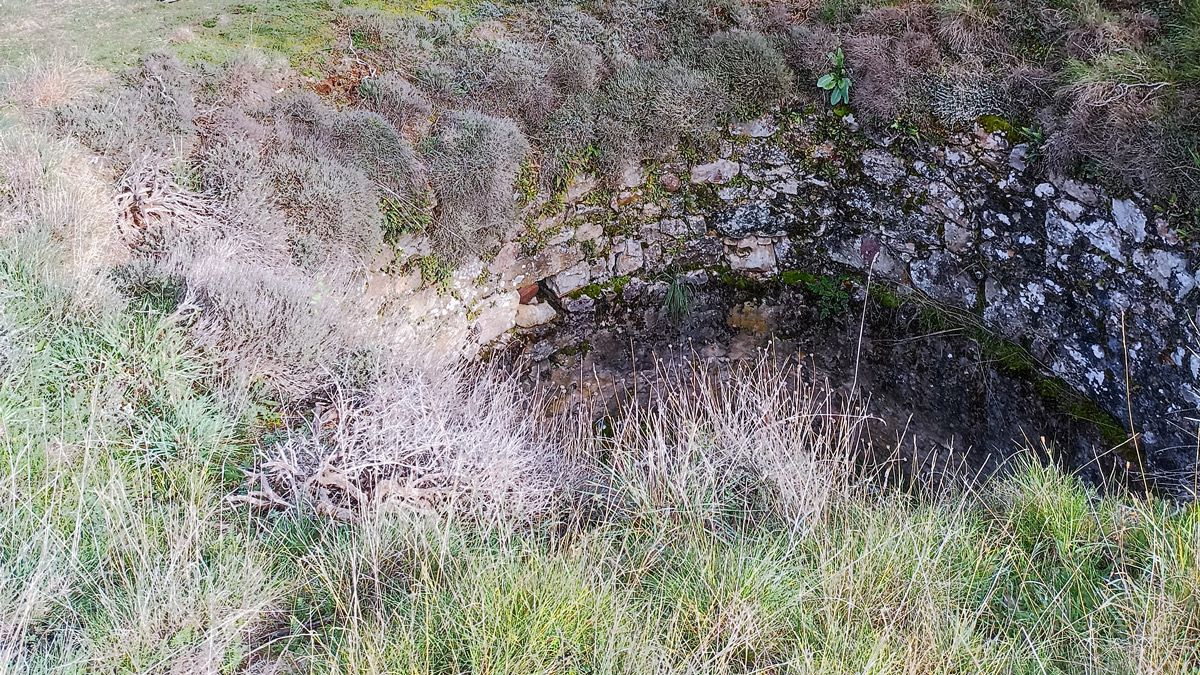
1097 288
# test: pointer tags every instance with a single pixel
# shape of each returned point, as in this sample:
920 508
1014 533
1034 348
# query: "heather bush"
504 78
371 144
646 108
749 68
400 103
806 48
331 209
567 138
473 161
262 325
152 109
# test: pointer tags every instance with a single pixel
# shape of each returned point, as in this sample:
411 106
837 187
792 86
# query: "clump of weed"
473 162
750 69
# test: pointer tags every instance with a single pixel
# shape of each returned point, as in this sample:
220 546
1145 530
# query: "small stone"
788 187
569 280
718 172
958 239
763 127
752 254
629 257
528 293
631 175
496 317
580 186
1129 219
669 182
1018 159
588 230
529 316
1079 191
959 158
1073 210
1043 191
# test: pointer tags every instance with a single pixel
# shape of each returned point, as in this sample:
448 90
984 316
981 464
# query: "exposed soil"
943 405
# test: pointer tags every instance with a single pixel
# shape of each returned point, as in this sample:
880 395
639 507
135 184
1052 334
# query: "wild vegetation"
217 457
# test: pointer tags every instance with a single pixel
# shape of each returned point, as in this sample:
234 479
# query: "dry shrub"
248 82
752 71
575 68
152 208
505 78
153 109
402 104
565 139
754 440
892 75
644 110
41 84
357 153
425 439
57 209
1114 131
473 161
331 209
807 48
369 142
686 27
263 324
970 26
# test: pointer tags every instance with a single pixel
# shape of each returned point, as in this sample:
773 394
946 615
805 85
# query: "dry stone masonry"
1086 281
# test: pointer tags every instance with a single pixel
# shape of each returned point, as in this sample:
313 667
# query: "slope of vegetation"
215 458
716 544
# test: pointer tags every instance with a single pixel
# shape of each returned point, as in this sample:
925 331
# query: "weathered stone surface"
762 127
752 254
628 257
496 316
718 172
1130 219
569 280
882 167
529 316
1081 279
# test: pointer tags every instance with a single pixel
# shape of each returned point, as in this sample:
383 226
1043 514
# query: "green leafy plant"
837 81
905 129
833 299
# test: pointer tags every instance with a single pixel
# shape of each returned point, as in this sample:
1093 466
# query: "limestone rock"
718 172
882 167
1130 219
628 257
751 254
529 316
569 280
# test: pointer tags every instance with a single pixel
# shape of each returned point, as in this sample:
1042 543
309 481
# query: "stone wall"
1084 280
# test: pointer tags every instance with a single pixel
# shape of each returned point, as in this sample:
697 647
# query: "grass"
119 554
722 527
115 33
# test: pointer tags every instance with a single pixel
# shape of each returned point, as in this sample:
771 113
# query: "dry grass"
58 209
715 524
426 439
